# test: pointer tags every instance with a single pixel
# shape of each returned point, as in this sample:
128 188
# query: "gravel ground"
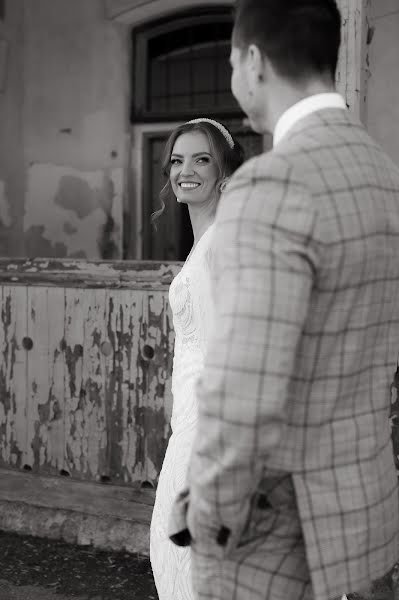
32 592
40 569
64 570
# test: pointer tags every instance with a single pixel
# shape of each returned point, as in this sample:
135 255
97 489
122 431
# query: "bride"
199 157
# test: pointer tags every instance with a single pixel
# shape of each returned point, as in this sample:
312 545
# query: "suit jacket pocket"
260 520
272 507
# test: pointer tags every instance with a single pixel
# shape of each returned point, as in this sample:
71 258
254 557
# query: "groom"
292 491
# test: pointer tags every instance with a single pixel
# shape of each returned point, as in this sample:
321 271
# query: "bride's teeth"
189 185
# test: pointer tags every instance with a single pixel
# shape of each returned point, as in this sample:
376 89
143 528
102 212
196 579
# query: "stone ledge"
104 516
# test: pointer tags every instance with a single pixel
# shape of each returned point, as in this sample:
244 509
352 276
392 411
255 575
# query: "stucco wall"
383 84
64 127
12 184
72 86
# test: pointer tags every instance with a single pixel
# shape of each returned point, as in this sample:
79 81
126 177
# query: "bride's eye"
175 161
204 159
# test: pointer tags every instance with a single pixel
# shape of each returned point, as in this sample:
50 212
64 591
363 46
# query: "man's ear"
255 63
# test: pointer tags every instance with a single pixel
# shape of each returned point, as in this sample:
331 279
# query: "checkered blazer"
292 485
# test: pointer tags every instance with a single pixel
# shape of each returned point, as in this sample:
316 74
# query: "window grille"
182 69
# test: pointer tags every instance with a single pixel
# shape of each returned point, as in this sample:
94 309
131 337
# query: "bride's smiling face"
194 171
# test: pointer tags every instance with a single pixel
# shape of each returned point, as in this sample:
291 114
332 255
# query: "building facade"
89 91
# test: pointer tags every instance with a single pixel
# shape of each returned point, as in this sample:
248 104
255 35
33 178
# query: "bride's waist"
184 422
187 345
184 380
188 364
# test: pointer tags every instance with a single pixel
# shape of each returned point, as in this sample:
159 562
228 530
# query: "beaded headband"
219 126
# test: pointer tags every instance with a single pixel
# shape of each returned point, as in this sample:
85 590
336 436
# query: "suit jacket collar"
313 123
302 109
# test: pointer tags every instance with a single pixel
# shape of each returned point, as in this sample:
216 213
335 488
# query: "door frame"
138 186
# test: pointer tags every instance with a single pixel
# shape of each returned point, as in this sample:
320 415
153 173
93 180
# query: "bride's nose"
187 168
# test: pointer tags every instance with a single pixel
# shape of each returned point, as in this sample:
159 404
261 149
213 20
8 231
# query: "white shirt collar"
303 108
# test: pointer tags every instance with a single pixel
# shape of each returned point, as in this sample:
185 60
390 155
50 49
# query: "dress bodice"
192 307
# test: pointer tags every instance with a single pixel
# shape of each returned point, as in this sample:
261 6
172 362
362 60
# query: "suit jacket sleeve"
265 262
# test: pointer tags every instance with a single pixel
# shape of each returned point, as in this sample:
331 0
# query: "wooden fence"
86 352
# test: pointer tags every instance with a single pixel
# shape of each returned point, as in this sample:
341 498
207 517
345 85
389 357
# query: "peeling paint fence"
86 352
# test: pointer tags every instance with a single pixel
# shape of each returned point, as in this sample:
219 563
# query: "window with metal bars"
181 68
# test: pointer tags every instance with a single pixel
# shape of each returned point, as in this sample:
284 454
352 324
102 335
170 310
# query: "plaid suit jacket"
298 370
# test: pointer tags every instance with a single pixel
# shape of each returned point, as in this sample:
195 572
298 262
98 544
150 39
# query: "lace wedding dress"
192 307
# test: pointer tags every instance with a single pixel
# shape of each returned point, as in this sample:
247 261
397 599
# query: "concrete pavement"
109 517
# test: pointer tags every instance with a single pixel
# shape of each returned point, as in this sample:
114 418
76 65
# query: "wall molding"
136 12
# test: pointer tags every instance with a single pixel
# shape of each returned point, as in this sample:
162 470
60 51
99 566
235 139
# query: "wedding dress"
193 312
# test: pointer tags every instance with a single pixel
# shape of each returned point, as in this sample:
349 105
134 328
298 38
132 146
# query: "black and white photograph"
199 299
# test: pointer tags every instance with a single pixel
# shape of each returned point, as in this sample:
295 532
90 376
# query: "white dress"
193 312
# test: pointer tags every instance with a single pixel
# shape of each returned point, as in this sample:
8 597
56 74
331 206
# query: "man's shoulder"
262 183
325 133
328 141
263 167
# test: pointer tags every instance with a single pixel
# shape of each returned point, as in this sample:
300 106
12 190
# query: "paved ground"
38 569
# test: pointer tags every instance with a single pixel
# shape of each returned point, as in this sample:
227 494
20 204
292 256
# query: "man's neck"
282 97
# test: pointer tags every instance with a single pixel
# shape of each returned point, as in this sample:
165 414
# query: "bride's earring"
177 200
223 184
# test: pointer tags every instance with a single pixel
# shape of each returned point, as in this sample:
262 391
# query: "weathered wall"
383 84
64 125
76 124
12 184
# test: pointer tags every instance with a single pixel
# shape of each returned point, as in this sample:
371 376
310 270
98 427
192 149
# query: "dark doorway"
172 239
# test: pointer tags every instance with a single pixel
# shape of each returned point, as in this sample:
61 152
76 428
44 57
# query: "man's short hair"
299 37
